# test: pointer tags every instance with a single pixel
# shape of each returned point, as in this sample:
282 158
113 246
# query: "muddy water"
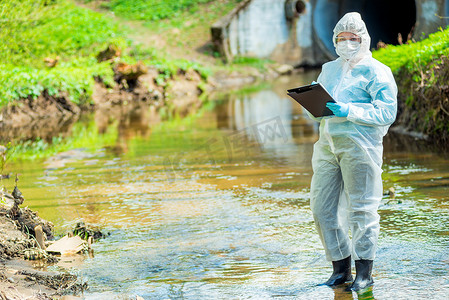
216 207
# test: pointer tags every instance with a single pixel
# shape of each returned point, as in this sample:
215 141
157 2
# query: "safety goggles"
352 39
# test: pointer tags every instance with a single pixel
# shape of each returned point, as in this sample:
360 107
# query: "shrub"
413 56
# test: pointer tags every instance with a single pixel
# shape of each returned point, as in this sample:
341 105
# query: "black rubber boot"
342 272
363 278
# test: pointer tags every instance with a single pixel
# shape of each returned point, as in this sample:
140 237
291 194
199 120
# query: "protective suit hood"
352 22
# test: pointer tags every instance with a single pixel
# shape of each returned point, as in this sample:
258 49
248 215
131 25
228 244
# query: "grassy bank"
179 24
181 29
422 73
53 45
34 32
415 57
50 47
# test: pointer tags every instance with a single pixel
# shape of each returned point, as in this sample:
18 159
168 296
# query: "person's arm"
383 108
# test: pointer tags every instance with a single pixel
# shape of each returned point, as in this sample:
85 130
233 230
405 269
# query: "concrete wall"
261 28
258 29
274 29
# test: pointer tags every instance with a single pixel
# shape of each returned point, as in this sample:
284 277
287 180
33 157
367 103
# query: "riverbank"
47 116
421 70
44 93
22 258
424 105
66 64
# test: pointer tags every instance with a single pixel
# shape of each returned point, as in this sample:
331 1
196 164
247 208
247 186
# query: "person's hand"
339 109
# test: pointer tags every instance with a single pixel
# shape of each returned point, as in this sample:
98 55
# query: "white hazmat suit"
346 186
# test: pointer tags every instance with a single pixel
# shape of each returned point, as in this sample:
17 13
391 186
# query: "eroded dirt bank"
48 116
423 105
20 253
135 85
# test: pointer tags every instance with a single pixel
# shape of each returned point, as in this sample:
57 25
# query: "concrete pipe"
385 20
294 8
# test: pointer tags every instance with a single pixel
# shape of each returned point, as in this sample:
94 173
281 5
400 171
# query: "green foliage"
170 67
167 67
152 10
75 77
414 56
409 100
34 30
255 62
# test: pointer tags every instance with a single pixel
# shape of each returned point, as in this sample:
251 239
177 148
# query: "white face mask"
347 49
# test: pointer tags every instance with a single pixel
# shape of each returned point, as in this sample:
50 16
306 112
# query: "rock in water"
284 69
17 194
39 234
68 245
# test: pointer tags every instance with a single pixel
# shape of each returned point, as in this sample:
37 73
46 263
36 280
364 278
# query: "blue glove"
339 109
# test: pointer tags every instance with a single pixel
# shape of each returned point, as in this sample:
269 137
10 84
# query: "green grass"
258 63
75 77
420 69
59 28
34 30
152 10
182 24
414 56
168 68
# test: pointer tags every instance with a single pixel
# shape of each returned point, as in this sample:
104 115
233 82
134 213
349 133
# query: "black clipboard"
313 97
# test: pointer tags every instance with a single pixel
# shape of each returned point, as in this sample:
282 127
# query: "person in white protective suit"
346 187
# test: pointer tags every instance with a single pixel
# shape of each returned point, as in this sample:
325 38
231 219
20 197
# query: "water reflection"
272 121
340 293
133 119
217 207
26 126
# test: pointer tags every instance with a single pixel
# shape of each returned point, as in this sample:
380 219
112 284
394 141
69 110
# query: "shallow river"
216 207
